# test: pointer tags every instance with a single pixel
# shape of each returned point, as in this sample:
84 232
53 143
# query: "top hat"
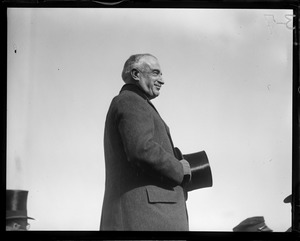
200 169
16 204
253 224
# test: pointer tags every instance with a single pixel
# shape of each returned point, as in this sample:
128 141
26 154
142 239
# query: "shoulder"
128 99
129 105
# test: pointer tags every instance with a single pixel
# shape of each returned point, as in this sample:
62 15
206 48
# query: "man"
144 180
16 210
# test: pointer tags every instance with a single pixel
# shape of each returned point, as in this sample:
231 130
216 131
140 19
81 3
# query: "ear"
135 74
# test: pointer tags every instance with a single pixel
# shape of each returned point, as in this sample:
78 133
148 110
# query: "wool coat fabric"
143 190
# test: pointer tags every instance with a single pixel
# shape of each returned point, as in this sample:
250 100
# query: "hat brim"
25 217
266 229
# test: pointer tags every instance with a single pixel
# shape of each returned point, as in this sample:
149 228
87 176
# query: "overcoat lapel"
167 128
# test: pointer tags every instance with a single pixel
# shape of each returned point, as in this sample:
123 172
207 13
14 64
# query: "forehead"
151 62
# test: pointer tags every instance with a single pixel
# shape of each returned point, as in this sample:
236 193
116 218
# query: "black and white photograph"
107 108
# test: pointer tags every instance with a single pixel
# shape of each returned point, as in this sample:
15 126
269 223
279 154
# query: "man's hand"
187 171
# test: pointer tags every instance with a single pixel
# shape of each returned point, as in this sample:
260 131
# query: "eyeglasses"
156 73
153 72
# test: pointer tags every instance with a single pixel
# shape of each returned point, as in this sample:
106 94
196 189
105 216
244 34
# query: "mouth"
158 87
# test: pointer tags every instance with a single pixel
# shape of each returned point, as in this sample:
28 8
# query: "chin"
155 95
156 92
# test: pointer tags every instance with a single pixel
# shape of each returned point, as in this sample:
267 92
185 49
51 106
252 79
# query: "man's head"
144 70
17 224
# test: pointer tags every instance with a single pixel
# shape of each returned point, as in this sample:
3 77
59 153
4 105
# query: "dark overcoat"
143 189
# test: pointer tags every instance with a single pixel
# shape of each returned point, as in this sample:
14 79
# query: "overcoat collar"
134 88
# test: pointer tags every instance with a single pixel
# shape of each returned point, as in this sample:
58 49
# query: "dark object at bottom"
253 224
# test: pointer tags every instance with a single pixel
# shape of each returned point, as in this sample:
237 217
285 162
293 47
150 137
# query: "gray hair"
131 63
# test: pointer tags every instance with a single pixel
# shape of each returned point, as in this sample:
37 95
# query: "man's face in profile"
150 77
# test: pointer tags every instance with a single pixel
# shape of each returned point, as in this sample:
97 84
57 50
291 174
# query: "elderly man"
144 180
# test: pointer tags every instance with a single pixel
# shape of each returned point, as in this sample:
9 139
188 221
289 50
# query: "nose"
160 80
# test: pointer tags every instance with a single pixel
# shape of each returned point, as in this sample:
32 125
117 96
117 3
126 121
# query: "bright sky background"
228 88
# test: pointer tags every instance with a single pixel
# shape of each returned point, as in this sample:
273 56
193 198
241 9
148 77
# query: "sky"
228 91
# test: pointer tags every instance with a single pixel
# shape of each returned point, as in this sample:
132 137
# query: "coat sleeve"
136 127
